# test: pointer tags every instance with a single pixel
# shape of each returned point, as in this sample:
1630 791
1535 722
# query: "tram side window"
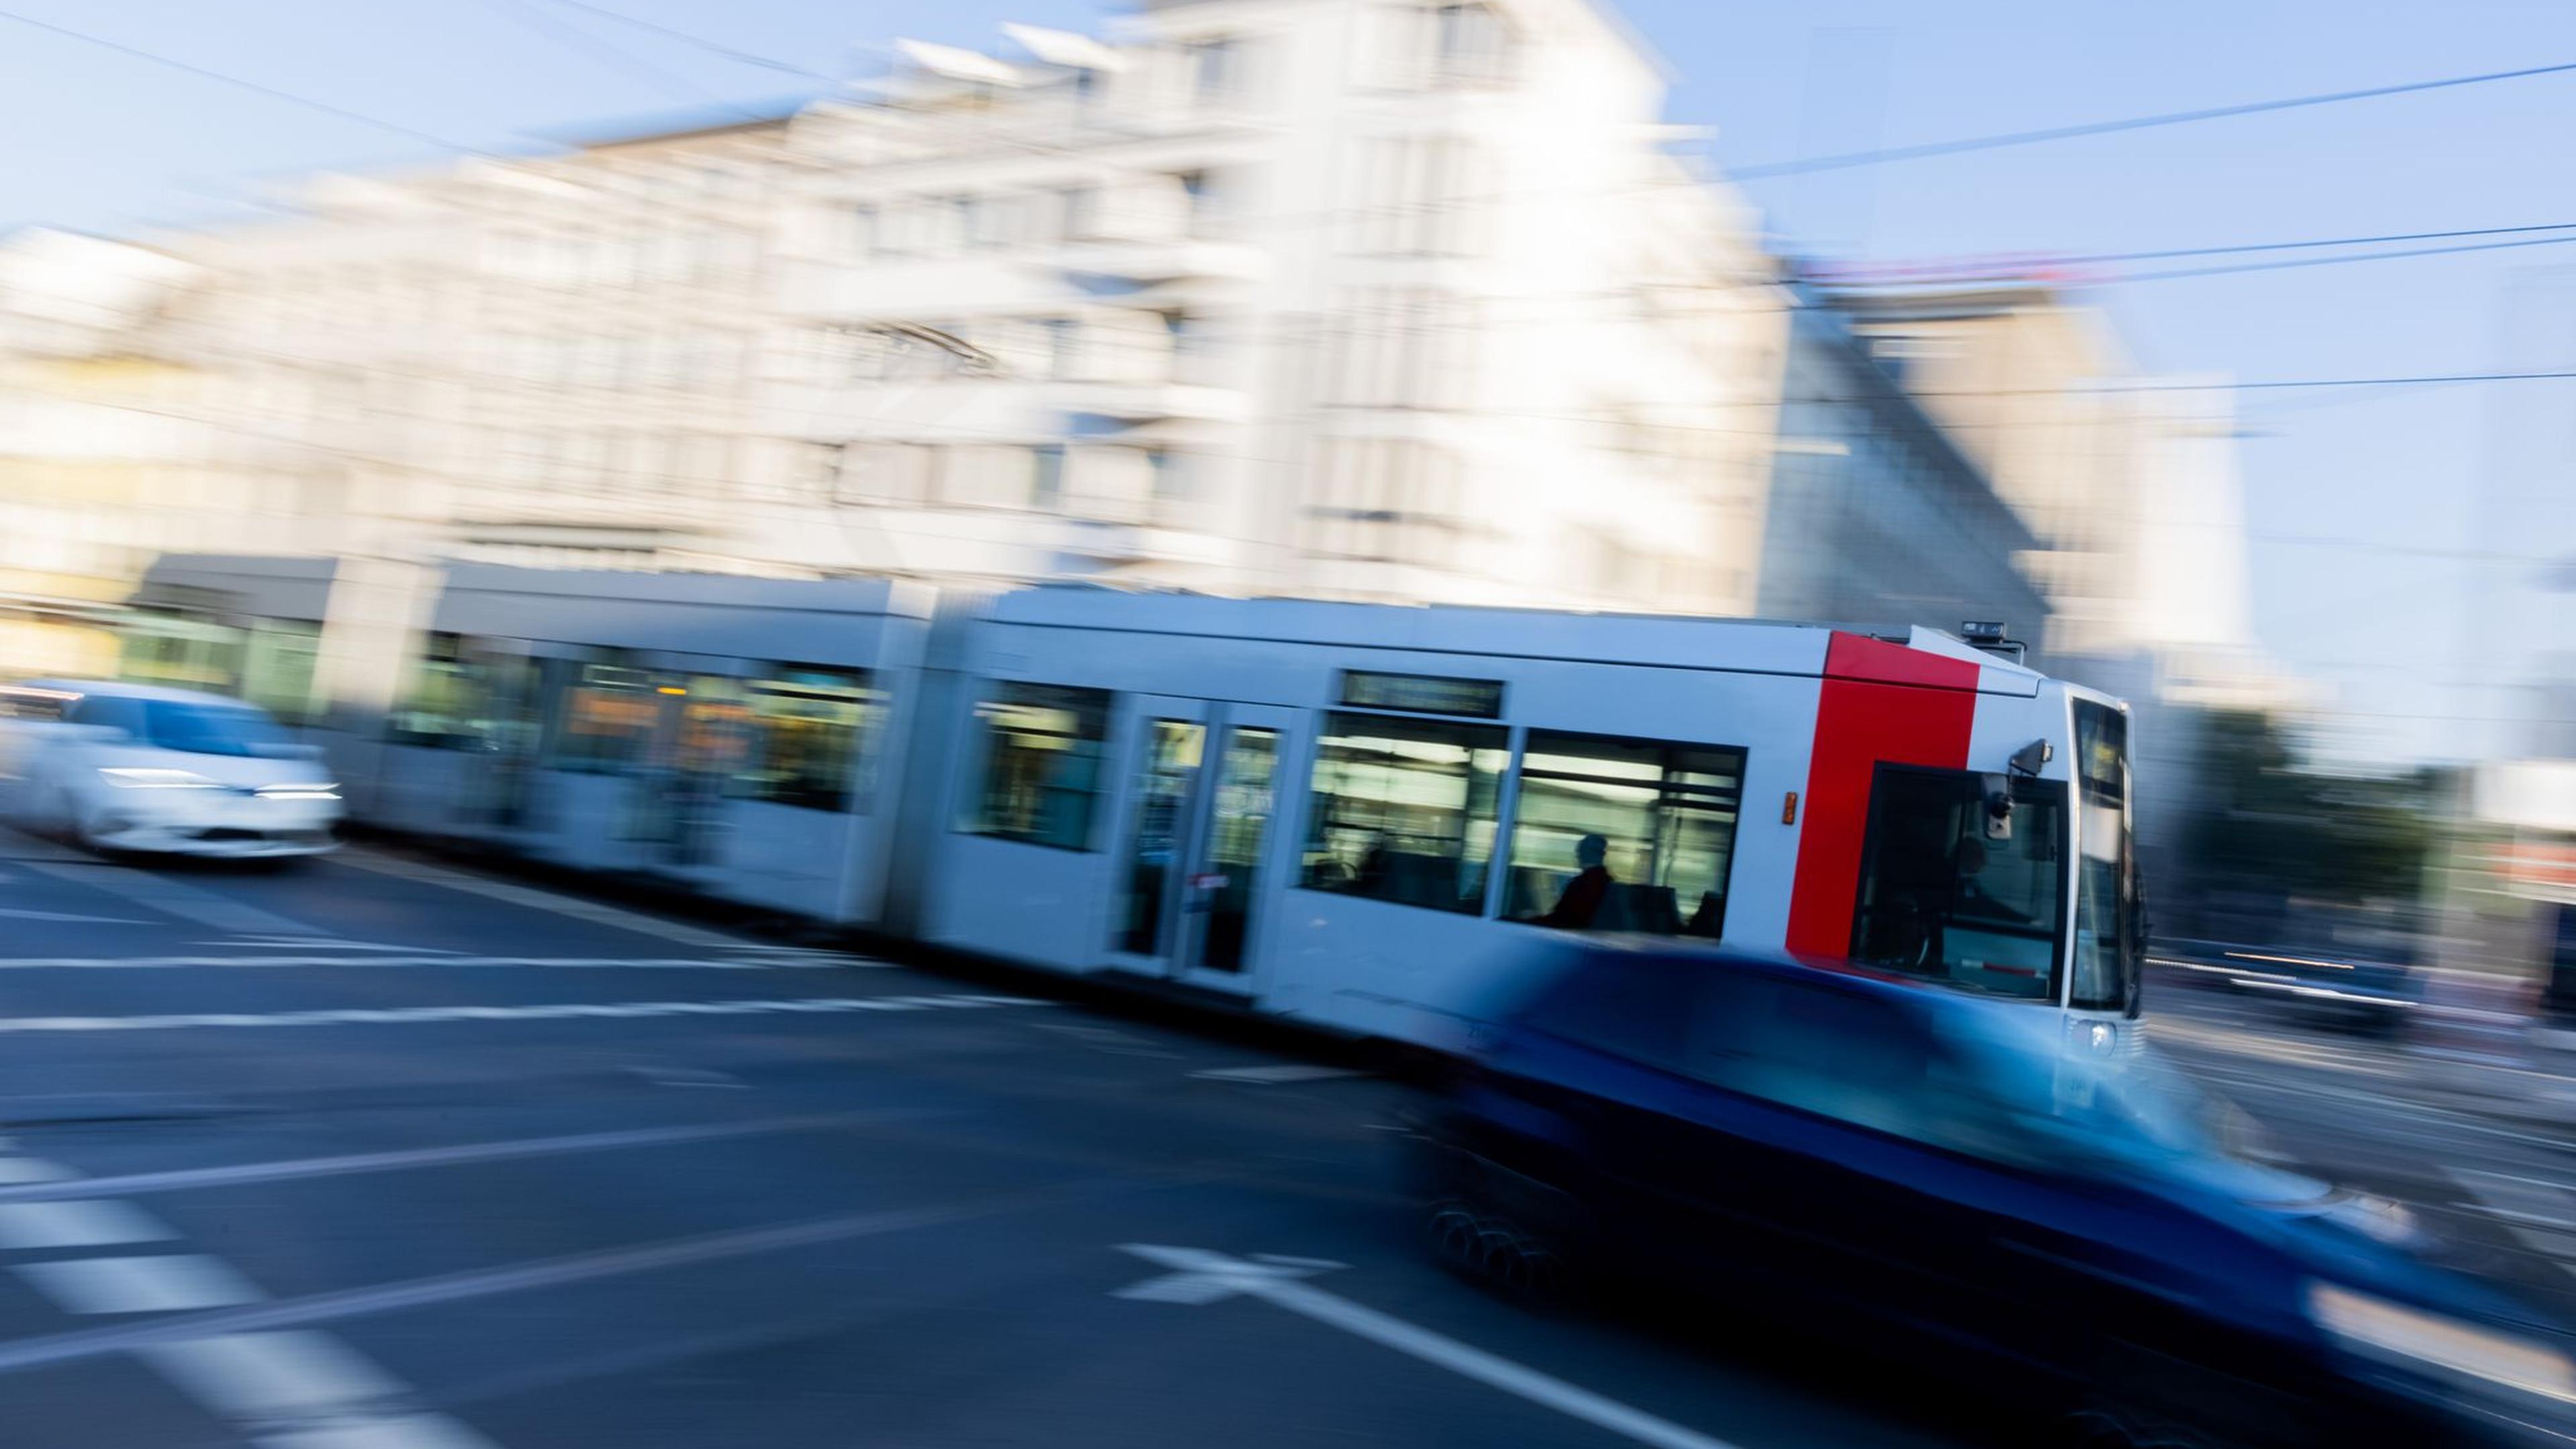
812 731
1664 815
609 712
1404 810
1043 746
440 700
1941 897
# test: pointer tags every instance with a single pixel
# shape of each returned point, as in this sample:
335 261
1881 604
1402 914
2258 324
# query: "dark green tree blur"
2271 823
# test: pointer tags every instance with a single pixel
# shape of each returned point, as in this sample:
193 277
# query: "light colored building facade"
111 452
1330 297
1378 299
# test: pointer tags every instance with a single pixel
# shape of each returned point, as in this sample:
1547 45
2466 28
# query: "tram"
1331 812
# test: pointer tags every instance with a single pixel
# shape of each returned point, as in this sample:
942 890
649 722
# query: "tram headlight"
2413 1338
2101 1036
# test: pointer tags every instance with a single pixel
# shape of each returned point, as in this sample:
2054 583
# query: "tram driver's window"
1943 896
1661 816
1042 764
1404 810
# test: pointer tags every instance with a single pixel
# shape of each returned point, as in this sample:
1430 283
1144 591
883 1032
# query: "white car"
141 768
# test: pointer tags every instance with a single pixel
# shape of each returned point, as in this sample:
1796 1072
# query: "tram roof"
1773 646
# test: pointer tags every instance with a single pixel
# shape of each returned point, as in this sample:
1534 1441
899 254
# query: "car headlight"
2394 1333
144 777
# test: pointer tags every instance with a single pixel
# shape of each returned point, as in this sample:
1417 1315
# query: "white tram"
738 737
1334 812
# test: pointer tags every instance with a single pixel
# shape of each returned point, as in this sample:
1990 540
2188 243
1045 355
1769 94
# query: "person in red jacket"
1580 904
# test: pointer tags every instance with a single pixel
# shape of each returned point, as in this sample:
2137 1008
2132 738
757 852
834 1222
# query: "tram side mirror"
1999 807
2028 759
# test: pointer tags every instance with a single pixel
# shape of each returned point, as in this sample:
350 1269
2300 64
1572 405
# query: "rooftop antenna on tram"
1988 634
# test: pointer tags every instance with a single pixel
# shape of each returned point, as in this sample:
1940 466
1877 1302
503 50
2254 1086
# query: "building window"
1080 208
1046 481
1665 816
1473 44
1043 749
887 473
1212 71
1064 339
1404 810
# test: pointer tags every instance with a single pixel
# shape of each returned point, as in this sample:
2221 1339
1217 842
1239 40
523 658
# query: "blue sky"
2377 570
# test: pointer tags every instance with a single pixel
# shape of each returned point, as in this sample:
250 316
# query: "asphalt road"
378 1154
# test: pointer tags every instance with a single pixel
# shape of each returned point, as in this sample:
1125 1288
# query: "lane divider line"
404 1015
472 1283
657 963
183 1179
177 898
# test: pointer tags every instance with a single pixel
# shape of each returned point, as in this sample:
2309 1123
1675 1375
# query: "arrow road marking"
1200 1277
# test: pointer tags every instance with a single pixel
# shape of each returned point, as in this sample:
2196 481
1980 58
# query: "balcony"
1150 262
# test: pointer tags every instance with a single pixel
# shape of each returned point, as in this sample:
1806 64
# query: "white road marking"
1201 1277
179 1021
26 1353
333 943
268 1375
68 916
295 1390
2541 1214
518 895
76 1223
178 898
30 1169
1283 1072
149 963
411 1431
404 1159
168 1283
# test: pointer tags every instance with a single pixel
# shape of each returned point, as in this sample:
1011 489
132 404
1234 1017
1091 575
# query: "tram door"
509 728
698 743
1203 786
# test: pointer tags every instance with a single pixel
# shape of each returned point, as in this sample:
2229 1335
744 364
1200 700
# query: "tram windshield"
1952 892
2110 919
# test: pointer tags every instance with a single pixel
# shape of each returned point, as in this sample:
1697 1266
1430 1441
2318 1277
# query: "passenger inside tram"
1587 902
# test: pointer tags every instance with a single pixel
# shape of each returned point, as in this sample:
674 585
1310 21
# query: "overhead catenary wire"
1926 150
2240 248
574 38
397 128
712 47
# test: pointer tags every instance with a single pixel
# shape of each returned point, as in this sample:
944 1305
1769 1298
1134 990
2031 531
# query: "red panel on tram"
1880 702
